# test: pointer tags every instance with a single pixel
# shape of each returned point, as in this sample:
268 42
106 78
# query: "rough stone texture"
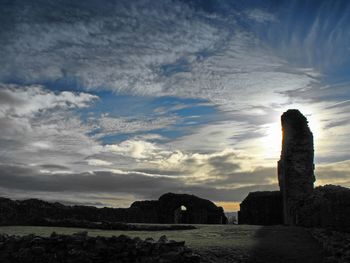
80 248
261 208
296 166
335 244
327 207
199 211
164 210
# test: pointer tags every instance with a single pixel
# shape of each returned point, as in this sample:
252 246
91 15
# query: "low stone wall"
162 211
327 207
335 244
80 248
261 208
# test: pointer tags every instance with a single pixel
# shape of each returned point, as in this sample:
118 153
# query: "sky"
106 102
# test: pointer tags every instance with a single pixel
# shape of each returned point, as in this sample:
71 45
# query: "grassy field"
203 236
219 243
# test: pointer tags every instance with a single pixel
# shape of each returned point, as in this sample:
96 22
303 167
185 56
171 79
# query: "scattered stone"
15 249
163 239
335 244
327 207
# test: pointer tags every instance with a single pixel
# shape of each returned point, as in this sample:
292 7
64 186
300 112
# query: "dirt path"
287 245
273 244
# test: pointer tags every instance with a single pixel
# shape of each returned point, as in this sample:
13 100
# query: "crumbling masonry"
296 166
297 202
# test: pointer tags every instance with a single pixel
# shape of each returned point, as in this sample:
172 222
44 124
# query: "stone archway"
181 215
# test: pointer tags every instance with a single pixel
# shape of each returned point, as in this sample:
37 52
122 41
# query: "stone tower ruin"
296 166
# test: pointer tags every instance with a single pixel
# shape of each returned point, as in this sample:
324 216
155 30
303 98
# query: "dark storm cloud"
259 176
14 177
54 167
155 171
223 163
337 171
30 181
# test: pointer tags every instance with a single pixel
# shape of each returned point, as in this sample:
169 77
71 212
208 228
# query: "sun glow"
272 139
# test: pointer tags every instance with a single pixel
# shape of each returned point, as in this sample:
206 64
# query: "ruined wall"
296 166
324 207
327 207
199 211
33 211
261 208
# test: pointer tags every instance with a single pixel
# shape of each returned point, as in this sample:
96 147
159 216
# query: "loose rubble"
335 244
81 248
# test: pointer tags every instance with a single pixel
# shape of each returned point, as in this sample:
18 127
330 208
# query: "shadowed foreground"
285 244
221 243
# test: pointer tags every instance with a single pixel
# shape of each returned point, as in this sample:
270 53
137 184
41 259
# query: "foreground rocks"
327 207
104 225
335 244
81 248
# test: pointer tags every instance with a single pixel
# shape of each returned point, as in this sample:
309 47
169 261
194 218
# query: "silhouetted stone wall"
261 208
327 207
35 212
296 166
199 211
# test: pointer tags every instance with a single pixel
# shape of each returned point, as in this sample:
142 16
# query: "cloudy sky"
107 102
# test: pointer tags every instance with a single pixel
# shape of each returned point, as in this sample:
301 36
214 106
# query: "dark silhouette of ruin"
261 208
297 202
296 166
170 208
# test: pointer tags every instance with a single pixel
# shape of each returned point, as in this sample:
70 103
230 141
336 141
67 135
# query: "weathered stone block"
296 166
261 208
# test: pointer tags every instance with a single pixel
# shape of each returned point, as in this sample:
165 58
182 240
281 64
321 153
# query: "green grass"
218 243
204 236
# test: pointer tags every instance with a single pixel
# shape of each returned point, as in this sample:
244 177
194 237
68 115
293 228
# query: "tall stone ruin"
297 202
296 166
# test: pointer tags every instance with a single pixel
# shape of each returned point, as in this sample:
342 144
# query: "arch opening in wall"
181 215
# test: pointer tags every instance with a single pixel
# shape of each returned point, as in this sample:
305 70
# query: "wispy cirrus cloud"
128 50
112 125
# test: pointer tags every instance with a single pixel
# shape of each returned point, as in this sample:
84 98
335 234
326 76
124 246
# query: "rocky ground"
223 243
335 244
103 225
81 248
282 244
